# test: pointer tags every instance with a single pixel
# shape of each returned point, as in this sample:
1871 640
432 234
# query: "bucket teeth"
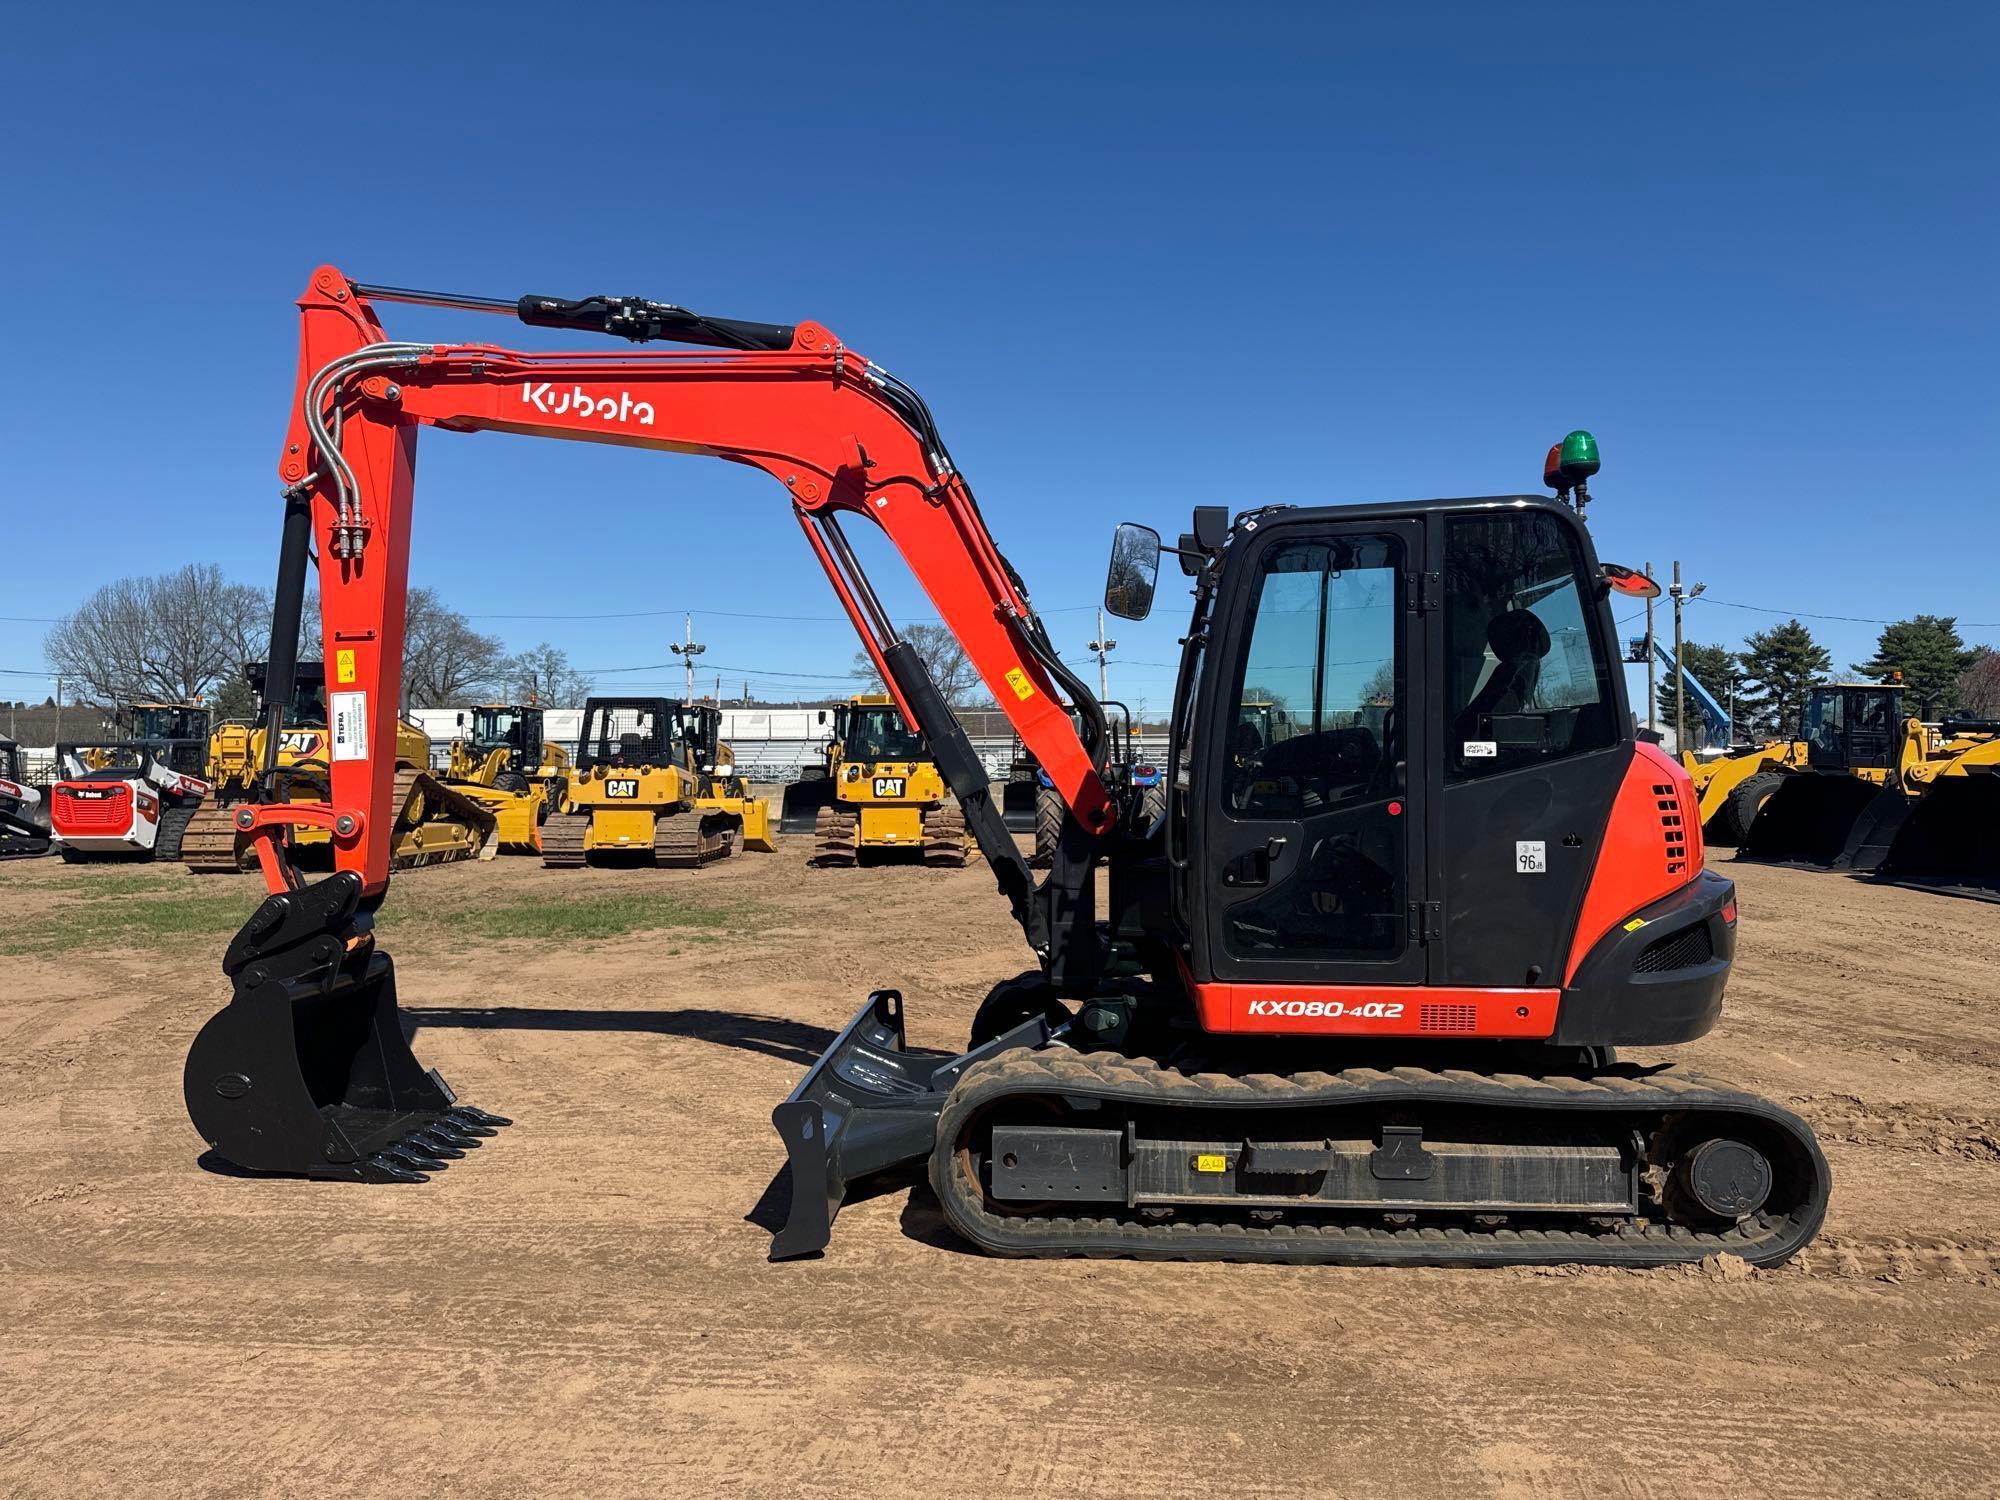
381 1168
471 1116
413 1157
434 1144
451 1135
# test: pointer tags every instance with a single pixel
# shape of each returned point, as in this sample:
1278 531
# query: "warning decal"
348 715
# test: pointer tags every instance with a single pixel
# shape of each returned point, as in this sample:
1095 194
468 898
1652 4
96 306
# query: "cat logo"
622 786
888 786
299 742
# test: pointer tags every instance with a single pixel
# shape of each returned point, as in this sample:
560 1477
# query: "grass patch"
151 915
613 913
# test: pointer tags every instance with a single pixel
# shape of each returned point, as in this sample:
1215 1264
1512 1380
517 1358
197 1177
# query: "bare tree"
173 636
1979 685
940 652
542 674
446 663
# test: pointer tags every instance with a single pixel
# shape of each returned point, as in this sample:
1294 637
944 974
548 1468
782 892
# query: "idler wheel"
1726 1178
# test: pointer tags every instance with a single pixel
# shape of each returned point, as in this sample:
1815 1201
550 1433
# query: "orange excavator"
1358 990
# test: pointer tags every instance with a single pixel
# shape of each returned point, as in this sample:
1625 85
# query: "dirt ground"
584 1306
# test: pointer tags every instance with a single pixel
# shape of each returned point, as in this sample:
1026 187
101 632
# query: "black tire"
1743 804
173 824
510 781
1011 1002
1152 806
1049 813
75 856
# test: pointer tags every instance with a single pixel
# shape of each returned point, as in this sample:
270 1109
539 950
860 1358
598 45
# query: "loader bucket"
1017 806
869 1104
1809 818
1868 842
1952 833
306 1071
799 812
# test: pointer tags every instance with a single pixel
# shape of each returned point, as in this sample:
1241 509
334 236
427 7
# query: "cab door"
1306 841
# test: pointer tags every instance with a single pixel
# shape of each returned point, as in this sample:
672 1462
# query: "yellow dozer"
506 765
647 782
435 822
876 790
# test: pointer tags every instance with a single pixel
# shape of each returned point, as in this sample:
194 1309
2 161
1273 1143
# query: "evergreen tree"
1780 666
1930 654
233 699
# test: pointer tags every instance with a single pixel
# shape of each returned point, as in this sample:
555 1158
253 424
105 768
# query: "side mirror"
822 716
1134 572
1626 581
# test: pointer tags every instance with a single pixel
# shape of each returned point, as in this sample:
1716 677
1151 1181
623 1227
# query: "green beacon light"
1569 466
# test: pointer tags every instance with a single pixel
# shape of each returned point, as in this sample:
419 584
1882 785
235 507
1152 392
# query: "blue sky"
1136 258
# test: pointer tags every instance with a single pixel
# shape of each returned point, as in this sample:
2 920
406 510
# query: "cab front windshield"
495 726
880 734
164 723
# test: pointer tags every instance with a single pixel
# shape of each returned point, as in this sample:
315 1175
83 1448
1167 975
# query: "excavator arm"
843 437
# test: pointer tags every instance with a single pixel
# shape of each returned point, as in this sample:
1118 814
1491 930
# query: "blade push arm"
841 436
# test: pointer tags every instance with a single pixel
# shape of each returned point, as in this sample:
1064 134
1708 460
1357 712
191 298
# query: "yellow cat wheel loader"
877 790
507 766
435 822
1734 787
638 788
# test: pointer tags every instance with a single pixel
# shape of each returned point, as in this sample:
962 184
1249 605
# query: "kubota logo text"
545 398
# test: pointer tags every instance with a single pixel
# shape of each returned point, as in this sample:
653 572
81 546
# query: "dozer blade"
306 1071
1809 818
868 1104
754 816
799 812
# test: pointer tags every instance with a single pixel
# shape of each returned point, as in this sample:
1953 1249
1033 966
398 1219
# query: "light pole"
1102 647
688 652
1680 596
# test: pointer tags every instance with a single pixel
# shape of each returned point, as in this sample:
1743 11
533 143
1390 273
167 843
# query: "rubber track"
562 841
173 831
833 836
1761 1240
944 836
689 839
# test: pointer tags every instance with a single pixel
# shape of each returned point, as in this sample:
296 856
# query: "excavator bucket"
869 1104
799 812
1951 834
306 1071
1810 819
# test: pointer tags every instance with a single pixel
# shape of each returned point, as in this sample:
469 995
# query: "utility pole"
1680 596
1652 685
1102 647
688 652
58 738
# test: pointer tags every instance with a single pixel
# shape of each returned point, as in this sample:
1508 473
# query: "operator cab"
1399 732
632 732
876 732
513 726
1852 726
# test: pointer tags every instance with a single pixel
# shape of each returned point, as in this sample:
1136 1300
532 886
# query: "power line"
1806 614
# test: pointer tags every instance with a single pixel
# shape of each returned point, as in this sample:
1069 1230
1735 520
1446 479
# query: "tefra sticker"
1481 749
348 715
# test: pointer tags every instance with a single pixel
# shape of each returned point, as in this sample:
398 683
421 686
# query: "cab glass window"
1526 678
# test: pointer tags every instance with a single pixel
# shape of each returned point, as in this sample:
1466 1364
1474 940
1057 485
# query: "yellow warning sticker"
1635 924
343 666
1208 1162
1018 681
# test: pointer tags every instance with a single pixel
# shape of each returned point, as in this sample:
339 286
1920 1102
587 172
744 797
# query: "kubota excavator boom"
1314 1027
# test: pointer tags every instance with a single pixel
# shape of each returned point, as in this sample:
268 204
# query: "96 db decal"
1531 857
